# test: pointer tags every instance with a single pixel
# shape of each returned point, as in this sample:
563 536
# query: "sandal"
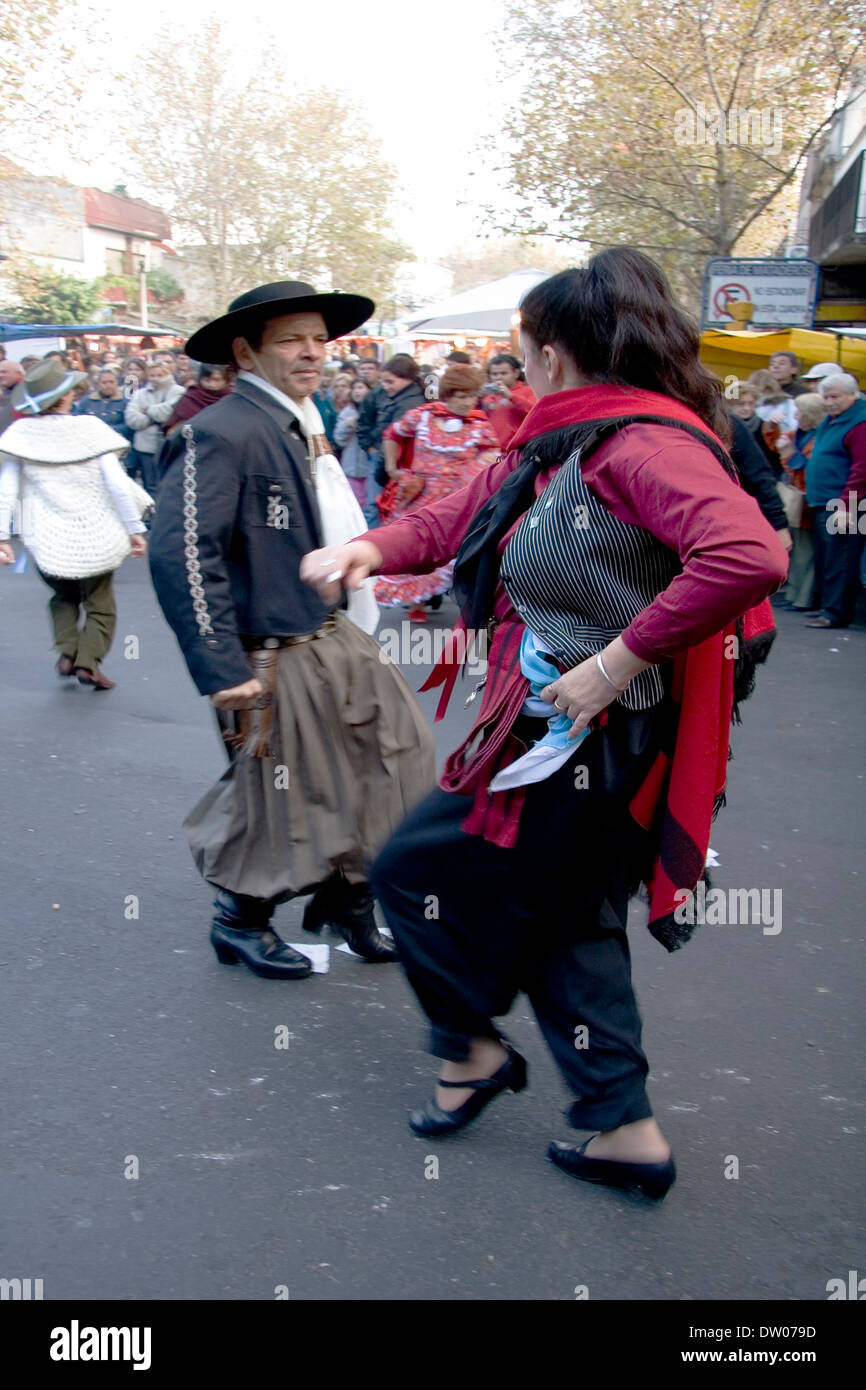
434 1122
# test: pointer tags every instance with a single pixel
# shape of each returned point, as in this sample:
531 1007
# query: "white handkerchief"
535 766
342 519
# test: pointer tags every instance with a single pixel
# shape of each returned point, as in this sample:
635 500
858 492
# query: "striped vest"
578 576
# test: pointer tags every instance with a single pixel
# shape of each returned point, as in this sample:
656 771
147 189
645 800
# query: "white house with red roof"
79 231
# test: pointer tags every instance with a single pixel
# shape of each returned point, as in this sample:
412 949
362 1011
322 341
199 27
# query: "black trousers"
837 570
475 923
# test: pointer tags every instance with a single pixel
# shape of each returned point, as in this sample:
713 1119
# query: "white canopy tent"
490 309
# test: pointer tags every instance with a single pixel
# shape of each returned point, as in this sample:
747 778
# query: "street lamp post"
142 293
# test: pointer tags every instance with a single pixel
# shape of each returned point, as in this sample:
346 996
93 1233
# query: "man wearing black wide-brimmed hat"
330 748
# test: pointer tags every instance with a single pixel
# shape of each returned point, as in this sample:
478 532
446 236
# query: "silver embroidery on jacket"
190 536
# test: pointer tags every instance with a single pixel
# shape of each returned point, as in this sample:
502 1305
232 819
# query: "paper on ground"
319 955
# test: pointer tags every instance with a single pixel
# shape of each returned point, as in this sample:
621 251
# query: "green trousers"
86 646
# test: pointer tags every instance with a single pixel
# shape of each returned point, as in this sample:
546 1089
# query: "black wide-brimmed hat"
342 313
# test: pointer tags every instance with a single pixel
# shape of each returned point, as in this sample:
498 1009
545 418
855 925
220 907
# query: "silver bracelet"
600 664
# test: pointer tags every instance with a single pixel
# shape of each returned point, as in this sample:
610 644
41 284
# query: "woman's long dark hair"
618 321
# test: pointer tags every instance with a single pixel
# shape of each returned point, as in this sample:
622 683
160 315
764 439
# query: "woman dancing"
615 554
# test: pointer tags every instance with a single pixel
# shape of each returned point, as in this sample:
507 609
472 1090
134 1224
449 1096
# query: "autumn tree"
25 28
261 182
676 126
51 52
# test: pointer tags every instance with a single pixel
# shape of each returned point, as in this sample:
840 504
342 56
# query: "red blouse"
648 475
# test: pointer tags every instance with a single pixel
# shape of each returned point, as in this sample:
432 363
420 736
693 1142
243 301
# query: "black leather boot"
348 909
241 931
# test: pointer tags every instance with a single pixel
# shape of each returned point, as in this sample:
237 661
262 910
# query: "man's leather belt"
252 644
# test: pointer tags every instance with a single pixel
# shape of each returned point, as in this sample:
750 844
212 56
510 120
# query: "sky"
425 77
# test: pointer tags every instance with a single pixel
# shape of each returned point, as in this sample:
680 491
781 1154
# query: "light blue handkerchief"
555 747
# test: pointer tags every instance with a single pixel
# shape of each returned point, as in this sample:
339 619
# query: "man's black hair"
253 331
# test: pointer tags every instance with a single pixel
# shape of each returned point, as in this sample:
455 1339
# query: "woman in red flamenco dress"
444 445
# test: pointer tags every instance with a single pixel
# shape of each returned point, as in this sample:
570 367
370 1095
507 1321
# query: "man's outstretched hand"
244 696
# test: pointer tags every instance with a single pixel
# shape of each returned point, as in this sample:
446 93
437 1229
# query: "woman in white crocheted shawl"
65 491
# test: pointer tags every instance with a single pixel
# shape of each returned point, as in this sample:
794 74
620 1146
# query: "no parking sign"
760 293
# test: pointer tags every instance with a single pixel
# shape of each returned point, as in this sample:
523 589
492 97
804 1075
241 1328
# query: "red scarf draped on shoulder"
686 783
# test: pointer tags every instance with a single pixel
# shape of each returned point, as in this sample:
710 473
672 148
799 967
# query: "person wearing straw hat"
62 486
329 746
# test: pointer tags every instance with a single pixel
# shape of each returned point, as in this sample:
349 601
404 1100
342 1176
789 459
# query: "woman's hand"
138 545
583 692
7 554
244 696
786 538
340 566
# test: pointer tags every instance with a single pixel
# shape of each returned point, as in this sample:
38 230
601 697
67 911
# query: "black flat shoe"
434 1123
653 1179
262 950
348 909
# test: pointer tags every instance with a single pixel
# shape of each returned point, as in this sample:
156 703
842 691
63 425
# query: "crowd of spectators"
359 400
799 439
811 433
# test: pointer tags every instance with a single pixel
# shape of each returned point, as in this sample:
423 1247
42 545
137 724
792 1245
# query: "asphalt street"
266 1171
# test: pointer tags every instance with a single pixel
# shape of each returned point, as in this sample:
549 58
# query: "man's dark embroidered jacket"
236 512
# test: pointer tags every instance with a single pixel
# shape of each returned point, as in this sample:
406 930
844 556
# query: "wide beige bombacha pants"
352 755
